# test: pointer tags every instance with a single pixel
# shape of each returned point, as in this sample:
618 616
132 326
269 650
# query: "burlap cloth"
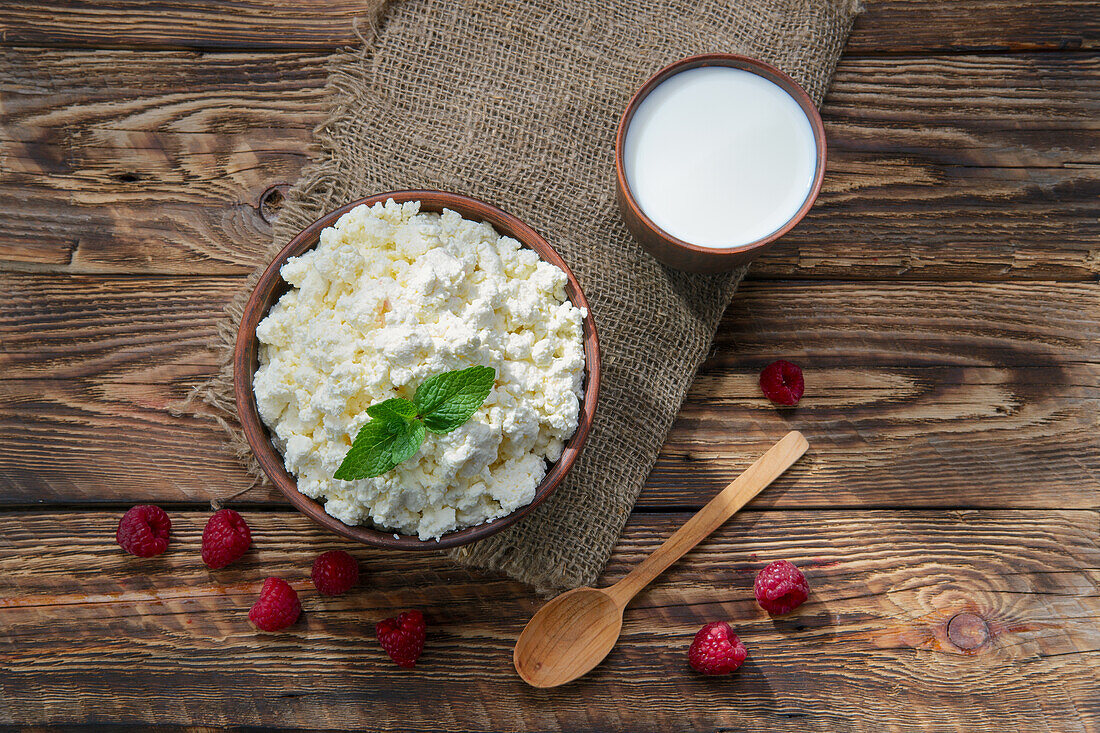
516 102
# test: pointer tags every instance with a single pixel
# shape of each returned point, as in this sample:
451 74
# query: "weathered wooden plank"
918 394
969 167
93 634
130 162
88 426
887 26
916 26
954 168
242 24
162 187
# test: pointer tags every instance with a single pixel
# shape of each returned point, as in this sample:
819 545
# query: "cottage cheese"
388 298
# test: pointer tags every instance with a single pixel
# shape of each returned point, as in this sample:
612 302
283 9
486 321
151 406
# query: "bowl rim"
266 292
745 63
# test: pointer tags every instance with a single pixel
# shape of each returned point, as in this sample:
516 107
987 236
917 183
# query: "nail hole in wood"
128 177
968 631
271 202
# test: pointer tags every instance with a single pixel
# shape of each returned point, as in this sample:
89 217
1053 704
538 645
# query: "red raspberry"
225 539
403 637
335 573
780 588
143 531
781 382
277 607
716 650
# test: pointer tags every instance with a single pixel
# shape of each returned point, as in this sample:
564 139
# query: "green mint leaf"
447 400
380 445
395 407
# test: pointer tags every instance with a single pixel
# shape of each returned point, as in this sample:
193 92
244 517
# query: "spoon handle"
755 479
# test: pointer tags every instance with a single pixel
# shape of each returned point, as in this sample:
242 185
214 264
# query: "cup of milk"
716 157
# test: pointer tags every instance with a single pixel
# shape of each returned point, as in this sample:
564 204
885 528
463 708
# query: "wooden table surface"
942 298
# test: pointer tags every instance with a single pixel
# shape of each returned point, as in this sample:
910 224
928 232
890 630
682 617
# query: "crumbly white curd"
388 298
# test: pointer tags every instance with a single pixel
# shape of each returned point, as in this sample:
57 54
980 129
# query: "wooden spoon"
574 632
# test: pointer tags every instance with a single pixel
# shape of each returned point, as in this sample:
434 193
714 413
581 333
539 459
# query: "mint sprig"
398 426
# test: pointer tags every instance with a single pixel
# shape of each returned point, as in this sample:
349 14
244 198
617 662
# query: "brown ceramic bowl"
683 255
271 287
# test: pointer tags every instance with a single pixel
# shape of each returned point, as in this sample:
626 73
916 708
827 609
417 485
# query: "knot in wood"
967 631
271 201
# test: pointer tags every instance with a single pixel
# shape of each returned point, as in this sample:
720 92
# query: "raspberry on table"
225 538
335 573
277 607
403 637
780 588
144 530
782 383
716 650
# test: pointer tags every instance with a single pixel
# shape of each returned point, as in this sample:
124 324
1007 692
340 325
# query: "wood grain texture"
886 26
127 162
142 343
939 168
918 394
917 26
962 167
93 635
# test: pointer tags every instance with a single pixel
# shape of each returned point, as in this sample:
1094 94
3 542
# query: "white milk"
719 157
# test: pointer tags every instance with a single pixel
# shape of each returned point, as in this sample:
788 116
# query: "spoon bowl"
578 628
